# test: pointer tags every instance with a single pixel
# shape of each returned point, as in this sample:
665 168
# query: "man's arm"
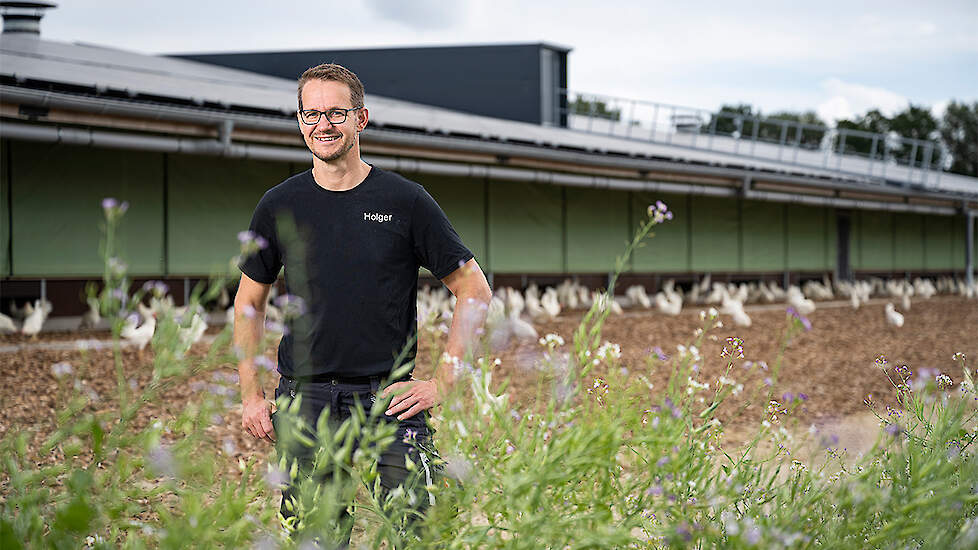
472 295
249 328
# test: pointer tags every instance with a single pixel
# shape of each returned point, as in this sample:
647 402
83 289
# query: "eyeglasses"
334 116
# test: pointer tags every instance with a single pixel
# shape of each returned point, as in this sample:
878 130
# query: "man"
358 236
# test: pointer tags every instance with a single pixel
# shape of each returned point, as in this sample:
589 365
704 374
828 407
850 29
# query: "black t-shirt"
355 266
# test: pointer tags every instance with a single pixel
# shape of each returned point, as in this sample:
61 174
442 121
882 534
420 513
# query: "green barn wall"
597 228
875 240
511 227
714 233
908 232
958 242
57 193
463 200
667 249
808 239
525 227
939 242
209 200
762 236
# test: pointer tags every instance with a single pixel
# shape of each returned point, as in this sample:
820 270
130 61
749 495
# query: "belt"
353 380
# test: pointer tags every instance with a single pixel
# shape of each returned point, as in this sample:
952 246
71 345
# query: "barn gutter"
224 147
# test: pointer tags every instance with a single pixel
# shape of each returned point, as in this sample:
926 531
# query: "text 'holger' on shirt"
377 217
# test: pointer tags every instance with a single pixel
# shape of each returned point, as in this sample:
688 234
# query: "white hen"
7 324
669 303
34 321
141 335
893 317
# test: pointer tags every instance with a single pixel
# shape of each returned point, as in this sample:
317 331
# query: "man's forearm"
471 306
248 334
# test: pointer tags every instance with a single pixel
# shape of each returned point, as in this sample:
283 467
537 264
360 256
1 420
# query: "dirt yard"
833 363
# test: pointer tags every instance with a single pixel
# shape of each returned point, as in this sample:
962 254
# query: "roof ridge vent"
24 17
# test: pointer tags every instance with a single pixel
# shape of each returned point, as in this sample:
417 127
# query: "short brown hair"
339 73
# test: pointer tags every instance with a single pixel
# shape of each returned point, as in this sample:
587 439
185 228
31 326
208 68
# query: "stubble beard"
343 150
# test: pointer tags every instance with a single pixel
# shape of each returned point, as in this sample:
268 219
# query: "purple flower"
654 491
109 203
662 461
161 461
805 323
248 237
291 305
409 435
803 397
265 363
123 207
660 354
275 326
894 429
788 397
61 369
276 478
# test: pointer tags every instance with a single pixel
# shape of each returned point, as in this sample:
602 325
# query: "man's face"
328 141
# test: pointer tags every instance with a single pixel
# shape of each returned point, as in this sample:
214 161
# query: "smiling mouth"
327 138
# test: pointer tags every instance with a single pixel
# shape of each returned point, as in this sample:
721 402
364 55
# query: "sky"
838 58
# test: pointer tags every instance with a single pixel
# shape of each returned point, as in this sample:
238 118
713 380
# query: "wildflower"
161 460
113 208
292 306
265 363
736 348
458 468
552 341
275 326
660 354
409 435
881 362
276 478
944 381
251 242
609 351
659 212
894 429
799 319
61 369
654 491
117 267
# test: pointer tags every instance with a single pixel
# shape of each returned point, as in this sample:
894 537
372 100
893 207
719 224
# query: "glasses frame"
319 115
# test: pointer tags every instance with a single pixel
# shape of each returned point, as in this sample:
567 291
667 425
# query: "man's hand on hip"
411 397
256 418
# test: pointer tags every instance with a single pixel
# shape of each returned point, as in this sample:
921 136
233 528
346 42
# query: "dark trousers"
412 440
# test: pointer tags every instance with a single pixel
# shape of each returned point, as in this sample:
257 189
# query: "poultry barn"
191 143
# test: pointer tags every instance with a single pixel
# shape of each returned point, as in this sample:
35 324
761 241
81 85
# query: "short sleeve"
264 265
436 244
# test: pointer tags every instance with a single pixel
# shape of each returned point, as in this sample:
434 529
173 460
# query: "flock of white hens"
511 313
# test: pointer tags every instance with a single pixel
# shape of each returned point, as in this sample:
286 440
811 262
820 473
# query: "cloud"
420 14
848 100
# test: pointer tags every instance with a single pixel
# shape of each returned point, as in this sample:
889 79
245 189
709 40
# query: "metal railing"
878 156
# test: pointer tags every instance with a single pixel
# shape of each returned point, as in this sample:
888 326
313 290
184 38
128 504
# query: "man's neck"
341 174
